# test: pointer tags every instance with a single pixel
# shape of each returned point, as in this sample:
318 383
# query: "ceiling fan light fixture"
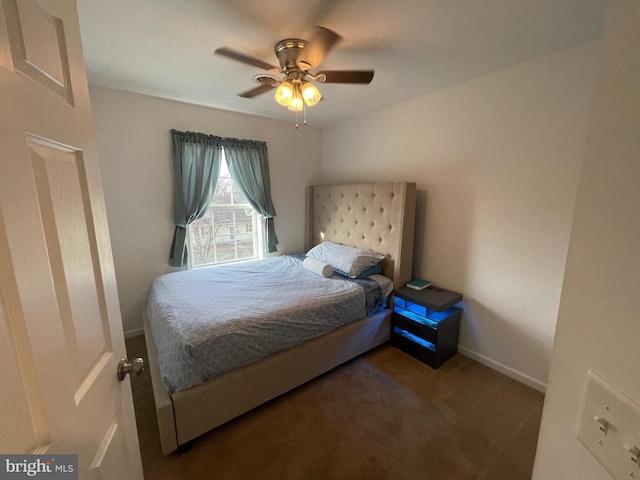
297 102
285 93
297 58
310 93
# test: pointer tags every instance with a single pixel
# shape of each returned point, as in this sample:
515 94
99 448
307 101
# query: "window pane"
222 195
222 218
238 197
241 220
202 250
245 245
225 249
243 216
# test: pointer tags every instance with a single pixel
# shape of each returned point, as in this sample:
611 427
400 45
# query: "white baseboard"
508 371
133 333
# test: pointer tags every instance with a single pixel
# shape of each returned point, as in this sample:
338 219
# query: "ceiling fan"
297 58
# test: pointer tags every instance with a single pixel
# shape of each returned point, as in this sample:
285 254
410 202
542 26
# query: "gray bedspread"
208 321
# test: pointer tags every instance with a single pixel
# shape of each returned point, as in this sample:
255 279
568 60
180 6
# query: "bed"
378 217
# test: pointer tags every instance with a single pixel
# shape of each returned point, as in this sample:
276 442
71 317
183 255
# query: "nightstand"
426 323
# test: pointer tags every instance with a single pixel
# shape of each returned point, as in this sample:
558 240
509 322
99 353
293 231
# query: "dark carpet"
383 415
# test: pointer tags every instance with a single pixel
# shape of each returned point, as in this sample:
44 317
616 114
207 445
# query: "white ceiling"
165 48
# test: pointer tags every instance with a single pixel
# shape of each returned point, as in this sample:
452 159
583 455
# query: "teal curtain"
196 165
249 168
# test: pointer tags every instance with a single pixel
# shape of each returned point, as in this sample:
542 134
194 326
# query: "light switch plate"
610 427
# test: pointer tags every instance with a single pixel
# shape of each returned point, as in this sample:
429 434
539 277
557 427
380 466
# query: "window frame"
256 226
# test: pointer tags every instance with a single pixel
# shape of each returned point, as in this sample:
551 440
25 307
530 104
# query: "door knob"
124 367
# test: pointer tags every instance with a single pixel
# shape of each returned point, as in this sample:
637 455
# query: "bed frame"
377 216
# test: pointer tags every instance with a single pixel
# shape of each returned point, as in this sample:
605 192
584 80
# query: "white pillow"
318 267
350 260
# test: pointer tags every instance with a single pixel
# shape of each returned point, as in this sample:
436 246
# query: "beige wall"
134 145
497 163
598 324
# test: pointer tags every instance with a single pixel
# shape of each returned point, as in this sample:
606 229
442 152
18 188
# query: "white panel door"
60 328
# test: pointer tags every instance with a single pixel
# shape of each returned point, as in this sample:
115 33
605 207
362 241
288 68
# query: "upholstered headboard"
376 216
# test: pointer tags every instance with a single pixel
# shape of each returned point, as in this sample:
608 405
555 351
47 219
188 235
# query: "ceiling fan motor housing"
287 52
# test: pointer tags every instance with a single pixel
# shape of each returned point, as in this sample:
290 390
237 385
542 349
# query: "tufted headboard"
376 216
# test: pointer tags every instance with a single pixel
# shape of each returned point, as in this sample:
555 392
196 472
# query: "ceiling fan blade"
256 91
345 76
317 48
239 57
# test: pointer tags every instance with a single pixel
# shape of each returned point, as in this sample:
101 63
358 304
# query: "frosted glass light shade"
297 103
284 93
310 94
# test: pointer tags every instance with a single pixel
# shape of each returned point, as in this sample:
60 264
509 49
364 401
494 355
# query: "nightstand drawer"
423 352
418 327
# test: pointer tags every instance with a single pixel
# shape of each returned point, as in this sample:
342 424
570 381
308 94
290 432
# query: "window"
229 231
